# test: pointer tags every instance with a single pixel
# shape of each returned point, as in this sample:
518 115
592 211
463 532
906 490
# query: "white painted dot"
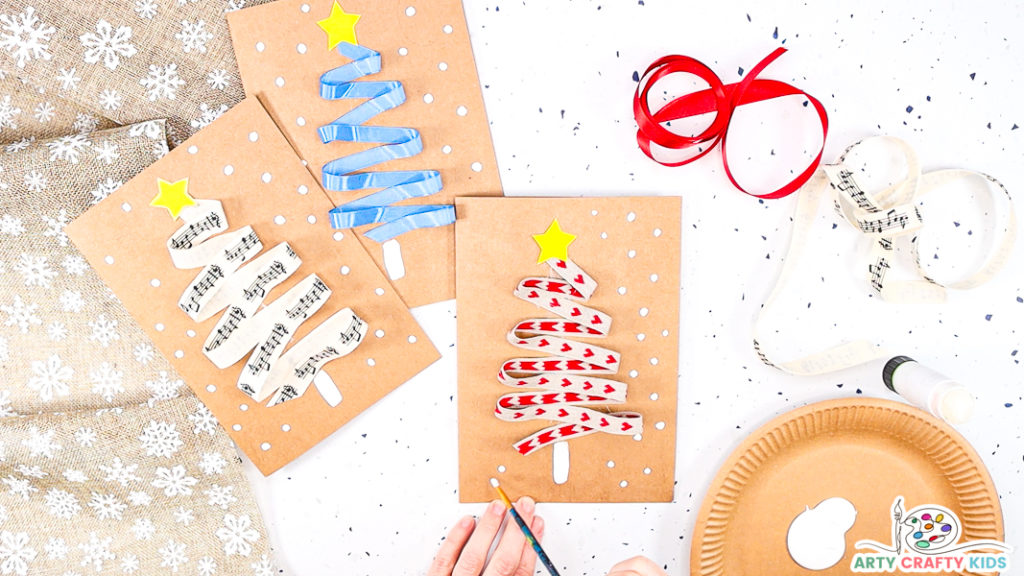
345 270
253 136
442 66
654 396
378 333
410 11
647 470
654 277
379 291
623 484
265 446
126 207
659 425
300 48
260 46
300 121
654 361
304 7
593 212
476 166
412 339
311 219
371 362
109 260
428 98
229 170
446 149
641 337
303 189
638 437
305 163
155 282
657 232
193 149
286 427
644 312
447 29
279 220
159 327
237 427
190 333
338 236
179 354
633 373
610 464
622 290
604 235
631 217
462 111
279 81
403 51
631 254
243 407
266 177
501 469
211 388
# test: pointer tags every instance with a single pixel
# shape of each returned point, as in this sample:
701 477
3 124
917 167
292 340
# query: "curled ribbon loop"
573 376
723 101
396 143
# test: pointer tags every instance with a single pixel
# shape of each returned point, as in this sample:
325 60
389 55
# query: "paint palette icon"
932 529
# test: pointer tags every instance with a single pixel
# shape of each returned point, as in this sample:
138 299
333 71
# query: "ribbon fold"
722 99
396 143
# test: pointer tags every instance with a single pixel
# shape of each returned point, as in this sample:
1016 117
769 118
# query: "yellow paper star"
554 243
173 196
340 27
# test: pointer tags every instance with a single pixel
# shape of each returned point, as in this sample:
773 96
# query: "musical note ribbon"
232 278
722 99
573 376
887 217
338 175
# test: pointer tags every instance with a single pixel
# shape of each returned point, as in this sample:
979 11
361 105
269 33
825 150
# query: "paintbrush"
526 531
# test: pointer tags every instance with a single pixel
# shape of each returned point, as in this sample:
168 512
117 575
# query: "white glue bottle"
929 390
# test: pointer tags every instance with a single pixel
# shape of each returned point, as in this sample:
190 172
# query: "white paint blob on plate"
817 536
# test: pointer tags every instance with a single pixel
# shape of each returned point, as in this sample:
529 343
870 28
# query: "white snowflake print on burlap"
25 37
193 36
108 44
8 114
15 553
51 378
237 534
162 82
106 504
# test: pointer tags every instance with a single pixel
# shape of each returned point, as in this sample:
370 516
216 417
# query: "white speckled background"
378 496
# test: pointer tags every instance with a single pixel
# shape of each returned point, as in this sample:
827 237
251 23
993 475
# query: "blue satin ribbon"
376 208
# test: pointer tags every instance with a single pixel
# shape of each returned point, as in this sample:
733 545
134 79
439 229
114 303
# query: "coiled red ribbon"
719 98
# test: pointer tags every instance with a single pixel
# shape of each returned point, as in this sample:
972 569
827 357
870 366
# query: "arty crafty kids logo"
927 539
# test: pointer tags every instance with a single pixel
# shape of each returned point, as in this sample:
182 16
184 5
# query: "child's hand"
464 551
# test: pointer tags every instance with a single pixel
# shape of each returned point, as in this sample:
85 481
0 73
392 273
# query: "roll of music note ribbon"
270 372
887 217
722 99
337 175
573 375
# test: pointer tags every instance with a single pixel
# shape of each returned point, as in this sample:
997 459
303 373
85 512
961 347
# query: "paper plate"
867 451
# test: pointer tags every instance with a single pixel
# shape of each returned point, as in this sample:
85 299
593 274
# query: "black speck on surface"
910 109
972 75
775 34
740 71
636 76
1008 404
988 317
1020 300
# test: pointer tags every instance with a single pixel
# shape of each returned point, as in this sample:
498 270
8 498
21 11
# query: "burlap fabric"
66 343
124 471
28 112
138 490
125 60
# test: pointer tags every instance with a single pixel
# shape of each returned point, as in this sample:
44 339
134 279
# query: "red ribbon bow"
719 98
